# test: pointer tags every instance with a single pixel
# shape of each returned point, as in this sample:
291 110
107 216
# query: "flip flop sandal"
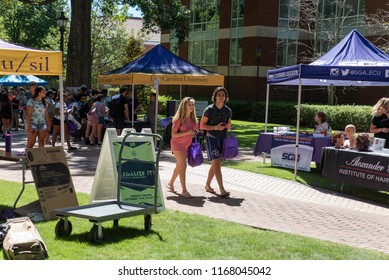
210 190
170 189
225 194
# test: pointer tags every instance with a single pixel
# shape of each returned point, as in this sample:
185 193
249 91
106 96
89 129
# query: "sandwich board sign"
138 148
52 179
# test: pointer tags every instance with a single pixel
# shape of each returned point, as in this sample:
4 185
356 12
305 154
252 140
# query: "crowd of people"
39 110
87 114
379 127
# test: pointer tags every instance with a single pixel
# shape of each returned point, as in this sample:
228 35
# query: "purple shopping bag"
230 146
195 154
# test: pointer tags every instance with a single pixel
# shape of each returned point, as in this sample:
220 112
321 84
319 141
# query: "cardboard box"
52 179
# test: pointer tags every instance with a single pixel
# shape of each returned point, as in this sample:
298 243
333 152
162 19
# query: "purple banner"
285 139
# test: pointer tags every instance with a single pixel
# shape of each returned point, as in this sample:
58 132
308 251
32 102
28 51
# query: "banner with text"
284 156
284 139
366 169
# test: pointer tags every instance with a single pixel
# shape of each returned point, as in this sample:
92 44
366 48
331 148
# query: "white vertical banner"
284 156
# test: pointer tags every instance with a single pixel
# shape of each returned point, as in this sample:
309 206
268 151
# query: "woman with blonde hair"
184 128
380 120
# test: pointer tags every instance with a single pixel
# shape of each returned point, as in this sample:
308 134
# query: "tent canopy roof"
354 61
20 60
160 63
21 80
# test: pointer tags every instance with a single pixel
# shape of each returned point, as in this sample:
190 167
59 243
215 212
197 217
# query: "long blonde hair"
382 103
182 110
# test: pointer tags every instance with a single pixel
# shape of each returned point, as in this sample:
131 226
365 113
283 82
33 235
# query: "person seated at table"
362 142
380 120
338 140
322 126
349 131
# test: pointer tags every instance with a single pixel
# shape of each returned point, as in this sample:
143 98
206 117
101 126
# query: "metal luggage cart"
114 210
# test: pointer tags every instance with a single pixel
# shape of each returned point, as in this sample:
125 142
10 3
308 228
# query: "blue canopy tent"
159 66
354 61
21 80
160 63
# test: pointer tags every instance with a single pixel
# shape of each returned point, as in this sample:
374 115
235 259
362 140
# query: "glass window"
203 32
174 45
288 30
333 20
236 35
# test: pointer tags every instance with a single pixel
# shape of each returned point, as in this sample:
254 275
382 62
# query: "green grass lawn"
178 235
247 134
182 236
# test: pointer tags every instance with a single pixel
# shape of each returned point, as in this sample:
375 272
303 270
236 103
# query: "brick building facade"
225 38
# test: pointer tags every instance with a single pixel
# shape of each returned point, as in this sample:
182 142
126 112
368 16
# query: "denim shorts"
101 120
214 147
38 127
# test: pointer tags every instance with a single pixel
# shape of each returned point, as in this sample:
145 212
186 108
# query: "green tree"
134 48
33 26
108 41
158 14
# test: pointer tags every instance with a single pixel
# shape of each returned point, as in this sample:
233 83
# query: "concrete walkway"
256 200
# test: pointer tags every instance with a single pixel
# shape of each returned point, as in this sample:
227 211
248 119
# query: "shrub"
281 112
338 116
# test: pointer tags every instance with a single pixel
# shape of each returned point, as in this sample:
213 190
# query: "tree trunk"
79 58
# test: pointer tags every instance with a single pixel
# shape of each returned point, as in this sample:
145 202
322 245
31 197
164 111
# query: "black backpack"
85 107
167 135
115 107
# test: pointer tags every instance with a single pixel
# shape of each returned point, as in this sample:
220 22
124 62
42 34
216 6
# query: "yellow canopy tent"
18 60
157 67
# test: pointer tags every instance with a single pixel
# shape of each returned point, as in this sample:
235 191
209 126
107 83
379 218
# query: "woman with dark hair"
322 126
216 120
37 118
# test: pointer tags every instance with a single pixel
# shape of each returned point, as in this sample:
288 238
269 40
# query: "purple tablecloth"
264 145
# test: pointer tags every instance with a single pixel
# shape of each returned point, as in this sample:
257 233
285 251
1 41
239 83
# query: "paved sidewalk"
256 200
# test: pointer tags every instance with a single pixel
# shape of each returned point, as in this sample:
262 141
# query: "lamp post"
62 21
258 54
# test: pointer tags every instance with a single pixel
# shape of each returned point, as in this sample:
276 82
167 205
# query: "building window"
174 46
329 21
203 32
237 14
336 20
288 27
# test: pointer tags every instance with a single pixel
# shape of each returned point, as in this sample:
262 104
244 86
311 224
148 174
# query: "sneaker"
72 148
87 142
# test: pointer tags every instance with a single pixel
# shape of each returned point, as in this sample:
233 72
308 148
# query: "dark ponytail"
37 91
